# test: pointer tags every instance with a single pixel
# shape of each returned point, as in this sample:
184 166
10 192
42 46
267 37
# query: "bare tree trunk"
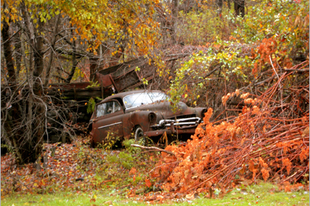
93 67
74 60
8 54
38 91
49 66
18 53
25 107
38 51
28 130
220 7
175 11
239 7
10 123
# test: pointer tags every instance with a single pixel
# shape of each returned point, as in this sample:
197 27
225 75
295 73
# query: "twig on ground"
152 148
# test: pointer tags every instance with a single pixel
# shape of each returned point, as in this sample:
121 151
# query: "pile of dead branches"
269 140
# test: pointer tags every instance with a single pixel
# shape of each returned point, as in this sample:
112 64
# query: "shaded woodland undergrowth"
77 168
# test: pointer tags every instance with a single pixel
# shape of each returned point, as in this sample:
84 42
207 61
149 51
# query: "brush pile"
268 140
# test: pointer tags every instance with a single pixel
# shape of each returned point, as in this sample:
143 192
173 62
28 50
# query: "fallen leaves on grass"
75 167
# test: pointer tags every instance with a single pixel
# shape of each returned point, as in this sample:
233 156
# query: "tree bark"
220 7
37 43
8 54
28 130
74 61
18 53
49 66
13 115
175 11
93 68
38 91
239 7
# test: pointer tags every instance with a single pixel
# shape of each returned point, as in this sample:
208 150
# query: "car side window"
107 108
100 110
117 107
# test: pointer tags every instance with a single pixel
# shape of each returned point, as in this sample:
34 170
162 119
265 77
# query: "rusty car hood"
164 109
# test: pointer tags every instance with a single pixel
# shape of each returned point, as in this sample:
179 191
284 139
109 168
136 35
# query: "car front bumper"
156 133
179 126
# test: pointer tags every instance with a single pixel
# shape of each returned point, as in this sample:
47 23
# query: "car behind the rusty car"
142 113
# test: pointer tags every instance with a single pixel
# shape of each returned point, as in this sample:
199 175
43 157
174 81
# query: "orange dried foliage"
304 154
287 164
148 183
267 48
253 146
251 166
265 174
132 171
287 187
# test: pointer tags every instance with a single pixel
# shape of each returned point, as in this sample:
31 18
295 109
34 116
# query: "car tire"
139 134
92 144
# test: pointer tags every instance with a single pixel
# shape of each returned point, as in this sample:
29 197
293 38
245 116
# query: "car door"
108 121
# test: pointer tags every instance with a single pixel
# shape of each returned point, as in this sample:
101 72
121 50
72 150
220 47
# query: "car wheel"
92 144
139 134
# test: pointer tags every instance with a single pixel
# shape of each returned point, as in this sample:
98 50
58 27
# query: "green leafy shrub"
111 141
92 104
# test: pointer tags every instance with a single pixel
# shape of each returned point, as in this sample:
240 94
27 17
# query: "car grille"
183 116
179 123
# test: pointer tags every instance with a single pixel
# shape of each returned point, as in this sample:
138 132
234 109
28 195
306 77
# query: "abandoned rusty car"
142 113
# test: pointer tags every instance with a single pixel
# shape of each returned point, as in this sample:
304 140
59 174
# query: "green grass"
262 194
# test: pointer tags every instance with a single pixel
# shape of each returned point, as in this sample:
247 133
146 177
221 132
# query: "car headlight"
152 118
203 113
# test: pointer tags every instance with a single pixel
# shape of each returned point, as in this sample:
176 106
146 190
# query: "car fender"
200 112
135 118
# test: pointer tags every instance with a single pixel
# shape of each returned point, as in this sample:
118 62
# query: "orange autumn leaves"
255 145
133 172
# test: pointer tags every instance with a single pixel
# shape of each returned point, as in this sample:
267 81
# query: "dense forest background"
205 53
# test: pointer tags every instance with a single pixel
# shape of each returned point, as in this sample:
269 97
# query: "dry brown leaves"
62 170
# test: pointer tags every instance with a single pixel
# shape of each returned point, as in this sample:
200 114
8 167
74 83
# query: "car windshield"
138 99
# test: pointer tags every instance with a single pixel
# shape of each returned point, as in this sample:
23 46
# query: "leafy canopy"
98 21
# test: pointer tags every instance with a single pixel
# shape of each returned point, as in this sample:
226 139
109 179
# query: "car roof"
123 94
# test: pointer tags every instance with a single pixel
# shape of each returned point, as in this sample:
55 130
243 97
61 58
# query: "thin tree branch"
152 148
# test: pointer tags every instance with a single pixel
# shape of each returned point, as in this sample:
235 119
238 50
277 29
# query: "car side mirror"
183 99
92 121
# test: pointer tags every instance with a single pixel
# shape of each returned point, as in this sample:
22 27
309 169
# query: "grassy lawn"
262 194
